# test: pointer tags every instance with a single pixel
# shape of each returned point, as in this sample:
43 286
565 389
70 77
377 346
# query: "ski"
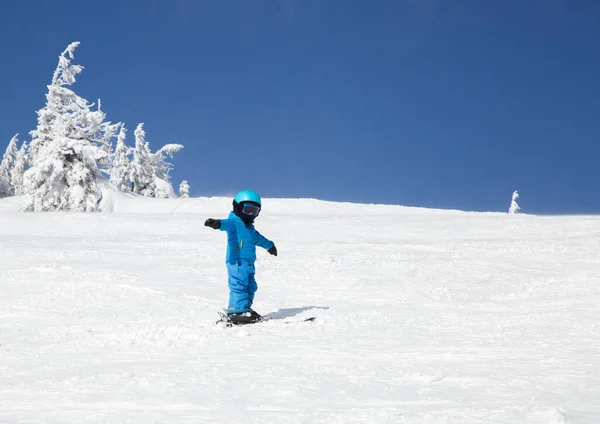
225 320
309 319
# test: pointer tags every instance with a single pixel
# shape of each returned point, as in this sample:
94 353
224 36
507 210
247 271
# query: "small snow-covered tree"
184 190
64 150
150 171
7 165
162 179
141 165
514 207
4 184
19 170
119 174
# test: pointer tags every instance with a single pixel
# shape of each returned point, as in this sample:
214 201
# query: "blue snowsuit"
242 240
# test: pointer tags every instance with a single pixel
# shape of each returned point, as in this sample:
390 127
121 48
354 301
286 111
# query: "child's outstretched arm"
265 243
218 224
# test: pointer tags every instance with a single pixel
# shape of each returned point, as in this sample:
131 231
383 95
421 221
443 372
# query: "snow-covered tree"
7 166
19 170
184 190
4 184
65 147
119 174
149 173
514 207
141 166
107 131
162 168
58 100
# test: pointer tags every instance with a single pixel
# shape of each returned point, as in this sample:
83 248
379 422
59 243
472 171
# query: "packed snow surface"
423 316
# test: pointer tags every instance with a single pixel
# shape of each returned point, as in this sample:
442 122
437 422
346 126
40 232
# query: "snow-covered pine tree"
162 180
64 150
119 174
19 170
184 190
106 132
140 171
150 171
4 185
57 100
514 207
7 165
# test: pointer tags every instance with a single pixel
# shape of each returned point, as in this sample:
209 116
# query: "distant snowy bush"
164 189
514 207
184 190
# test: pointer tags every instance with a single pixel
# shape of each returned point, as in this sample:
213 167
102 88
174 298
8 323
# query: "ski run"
423 316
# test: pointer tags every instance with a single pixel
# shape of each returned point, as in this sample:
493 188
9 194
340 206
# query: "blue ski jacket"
242 240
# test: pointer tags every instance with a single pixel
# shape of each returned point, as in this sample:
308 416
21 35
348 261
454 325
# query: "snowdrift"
114 201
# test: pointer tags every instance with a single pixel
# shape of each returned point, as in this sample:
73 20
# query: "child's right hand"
213 223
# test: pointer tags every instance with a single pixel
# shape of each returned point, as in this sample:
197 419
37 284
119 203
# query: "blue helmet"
246 205
247 196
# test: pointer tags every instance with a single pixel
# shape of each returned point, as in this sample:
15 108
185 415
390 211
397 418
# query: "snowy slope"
424 316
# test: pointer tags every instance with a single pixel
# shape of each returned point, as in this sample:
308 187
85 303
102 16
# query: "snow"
423 316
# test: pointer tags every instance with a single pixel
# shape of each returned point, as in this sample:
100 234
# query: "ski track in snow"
423 317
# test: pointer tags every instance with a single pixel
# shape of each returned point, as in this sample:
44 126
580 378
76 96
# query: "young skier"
242 239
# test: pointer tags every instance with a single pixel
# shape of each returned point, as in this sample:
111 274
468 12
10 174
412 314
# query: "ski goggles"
250 209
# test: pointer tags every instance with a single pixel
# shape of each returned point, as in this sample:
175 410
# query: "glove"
213 223
273 251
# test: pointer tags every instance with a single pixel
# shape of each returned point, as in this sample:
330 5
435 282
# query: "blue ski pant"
242 286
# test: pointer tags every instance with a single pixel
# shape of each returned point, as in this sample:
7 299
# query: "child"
242 240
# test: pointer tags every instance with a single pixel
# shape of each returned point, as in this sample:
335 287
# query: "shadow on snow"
291 312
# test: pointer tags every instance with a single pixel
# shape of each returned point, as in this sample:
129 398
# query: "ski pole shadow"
291 312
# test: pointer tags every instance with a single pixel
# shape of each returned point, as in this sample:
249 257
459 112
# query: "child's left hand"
273 251
213 223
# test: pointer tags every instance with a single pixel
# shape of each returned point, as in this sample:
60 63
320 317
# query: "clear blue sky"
446 104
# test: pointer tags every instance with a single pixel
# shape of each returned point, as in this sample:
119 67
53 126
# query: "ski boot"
242 318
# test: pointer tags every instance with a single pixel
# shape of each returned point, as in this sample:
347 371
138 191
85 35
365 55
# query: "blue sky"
445 104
